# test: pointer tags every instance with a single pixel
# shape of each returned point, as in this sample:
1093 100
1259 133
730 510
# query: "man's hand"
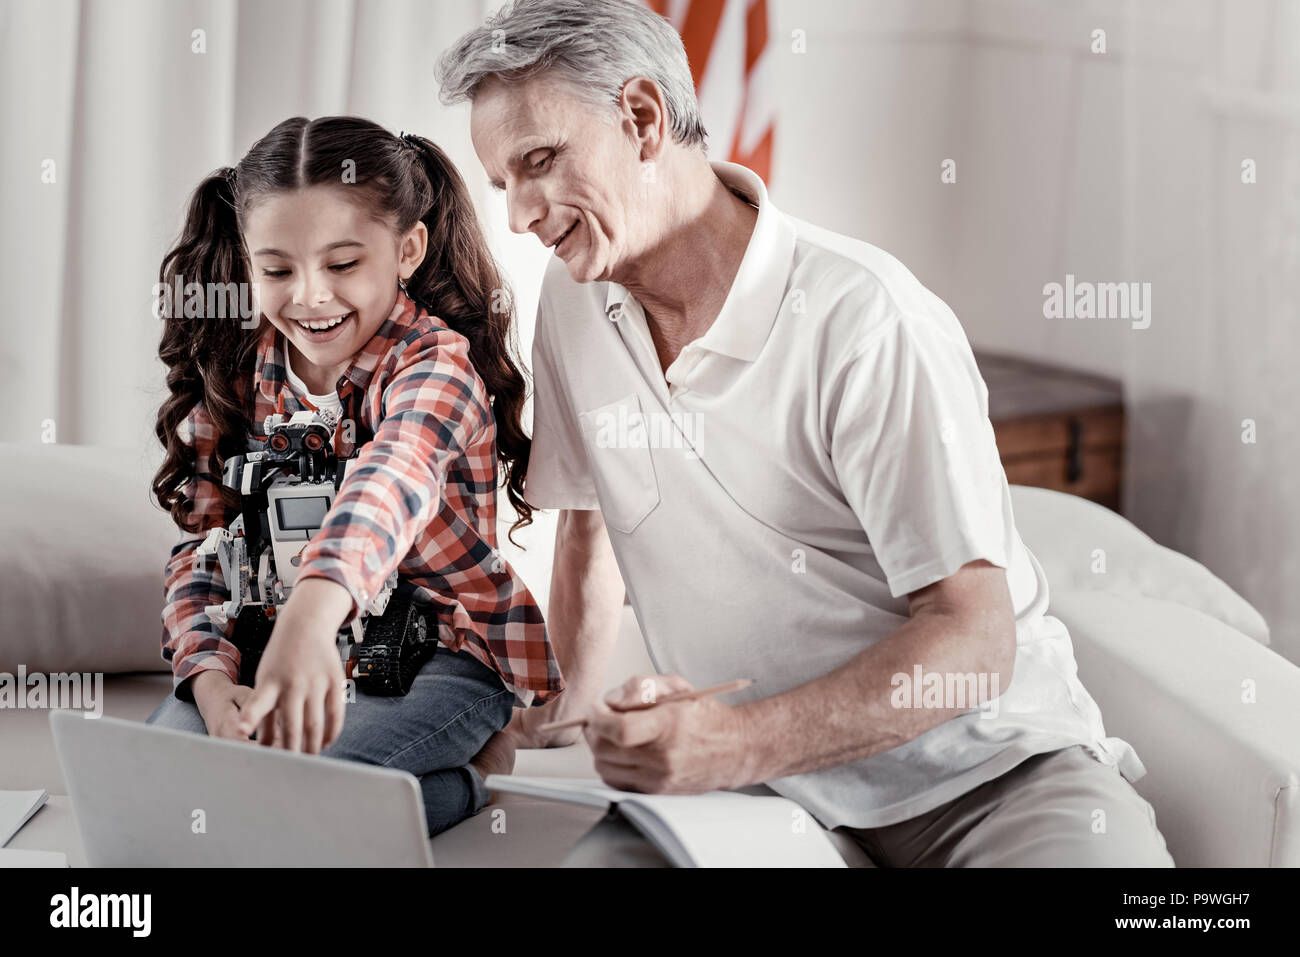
679 747
523 733
524 725
220 701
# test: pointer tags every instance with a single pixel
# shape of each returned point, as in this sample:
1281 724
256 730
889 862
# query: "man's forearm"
847 714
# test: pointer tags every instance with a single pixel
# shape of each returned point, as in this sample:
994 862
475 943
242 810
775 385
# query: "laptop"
146 796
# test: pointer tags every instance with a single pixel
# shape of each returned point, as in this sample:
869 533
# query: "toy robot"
286 492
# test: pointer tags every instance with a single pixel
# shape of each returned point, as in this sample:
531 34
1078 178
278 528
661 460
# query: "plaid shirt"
420 497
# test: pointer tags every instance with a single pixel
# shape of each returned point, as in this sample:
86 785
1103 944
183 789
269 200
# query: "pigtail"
460 283
209 358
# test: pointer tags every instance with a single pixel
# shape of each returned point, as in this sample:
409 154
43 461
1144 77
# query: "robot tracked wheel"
397 644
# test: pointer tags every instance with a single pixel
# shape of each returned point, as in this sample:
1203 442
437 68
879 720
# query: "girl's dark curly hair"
404 180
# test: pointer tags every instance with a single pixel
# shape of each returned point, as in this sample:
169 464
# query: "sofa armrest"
1223 770
1069 534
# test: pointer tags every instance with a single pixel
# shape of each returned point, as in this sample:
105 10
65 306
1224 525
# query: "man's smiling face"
571 172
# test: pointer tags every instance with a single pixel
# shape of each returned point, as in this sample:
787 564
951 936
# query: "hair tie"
411 140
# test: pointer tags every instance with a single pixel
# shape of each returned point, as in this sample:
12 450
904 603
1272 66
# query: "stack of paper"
12 858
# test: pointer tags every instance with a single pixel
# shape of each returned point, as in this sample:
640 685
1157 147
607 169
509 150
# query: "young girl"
378 304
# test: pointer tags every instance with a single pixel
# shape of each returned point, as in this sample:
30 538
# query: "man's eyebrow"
268 251
518 161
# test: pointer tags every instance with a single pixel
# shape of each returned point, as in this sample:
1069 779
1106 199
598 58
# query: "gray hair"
595 45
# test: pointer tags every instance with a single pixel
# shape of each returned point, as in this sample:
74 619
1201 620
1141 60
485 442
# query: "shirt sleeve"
430 411
559 475
915 454
192 641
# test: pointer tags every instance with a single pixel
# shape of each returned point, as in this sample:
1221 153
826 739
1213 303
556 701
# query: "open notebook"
16 808
717 829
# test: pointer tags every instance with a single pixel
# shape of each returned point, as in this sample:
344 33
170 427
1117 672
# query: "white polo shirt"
821 451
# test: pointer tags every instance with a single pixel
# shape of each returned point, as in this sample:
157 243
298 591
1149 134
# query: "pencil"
725 688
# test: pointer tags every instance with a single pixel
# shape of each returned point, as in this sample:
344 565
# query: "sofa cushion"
1071 537
81 581
81 573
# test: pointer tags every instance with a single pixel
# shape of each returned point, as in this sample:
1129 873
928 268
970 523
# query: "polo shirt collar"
271 370
754 300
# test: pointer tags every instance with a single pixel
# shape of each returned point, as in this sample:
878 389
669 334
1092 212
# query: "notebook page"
16 807
717 829
720 829
589 791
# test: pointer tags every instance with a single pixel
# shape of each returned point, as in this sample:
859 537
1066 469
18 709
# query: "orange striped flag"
731 62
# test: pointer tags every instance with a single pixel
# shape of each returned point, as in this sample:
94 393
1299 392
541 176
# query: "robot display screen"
301 513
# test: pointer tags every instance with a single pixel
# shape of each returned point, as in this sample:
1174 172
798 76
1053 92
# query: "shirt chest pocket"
616 438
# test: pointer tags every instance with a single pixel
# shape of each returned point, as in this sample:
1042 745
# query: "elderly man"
780 438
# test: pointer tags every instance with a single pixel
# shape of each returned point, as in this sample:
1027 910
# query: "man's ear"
645 115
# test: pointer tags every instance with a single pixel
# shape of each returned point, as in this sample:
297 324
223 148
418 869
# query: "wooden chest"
1055 427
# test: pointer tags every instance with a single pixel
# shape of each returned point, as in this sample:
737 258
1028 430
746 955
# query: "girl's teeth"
318 326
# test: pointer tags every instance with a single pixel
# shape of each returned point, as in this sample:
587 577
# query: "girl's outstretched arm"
433 418
298 700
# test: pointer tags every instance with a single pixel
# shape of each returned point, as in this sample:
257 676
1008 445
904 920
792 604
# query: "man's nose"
525 208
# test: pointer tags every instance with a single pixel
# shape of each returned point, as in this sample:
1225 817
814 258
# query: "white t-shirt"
821 451
331 406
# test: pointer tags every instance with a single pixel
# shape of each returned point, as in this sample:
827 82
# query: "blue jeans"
455 704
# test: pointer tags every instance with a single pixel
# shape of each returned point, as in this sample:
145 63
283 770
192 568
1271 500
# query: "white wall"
1116 167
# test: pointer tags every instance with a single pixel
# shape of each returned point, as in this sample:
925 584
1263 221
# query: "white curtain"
113 101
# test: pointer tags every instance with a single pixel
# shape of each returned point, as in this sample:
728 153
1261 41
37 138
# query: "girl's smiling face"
317 259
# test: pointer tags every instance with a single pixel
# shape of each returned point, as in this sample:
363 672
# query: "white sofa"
1169 651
